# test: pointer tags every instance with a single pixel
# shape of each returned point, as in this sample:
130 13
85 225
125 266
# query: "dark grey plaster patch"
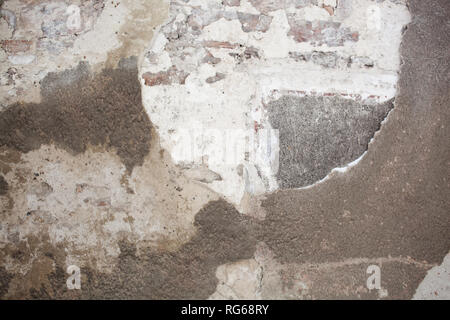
318 134
3 186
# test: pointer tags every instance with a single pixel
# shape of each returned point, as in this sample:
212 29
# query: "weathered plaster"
92 172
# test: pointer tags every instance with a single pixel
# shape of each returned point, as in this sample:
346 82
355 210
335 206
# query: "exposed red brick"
14 46
172 75
301 33
320 32
254 22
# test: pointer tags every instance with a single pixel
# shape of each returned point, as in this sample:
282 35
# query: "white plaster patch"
238 281
436 285
21 59
233 73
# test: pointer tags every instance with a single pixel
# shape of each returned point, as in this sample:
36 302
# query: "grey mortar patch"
3 186
395 202
79 109
318 134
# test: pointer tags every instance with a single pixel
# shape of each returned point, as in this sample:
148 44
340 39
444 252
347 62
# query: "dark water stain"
80 109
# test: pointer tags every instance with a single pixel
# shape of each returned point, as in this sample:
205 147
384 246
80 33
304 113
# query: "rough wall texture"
346 102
